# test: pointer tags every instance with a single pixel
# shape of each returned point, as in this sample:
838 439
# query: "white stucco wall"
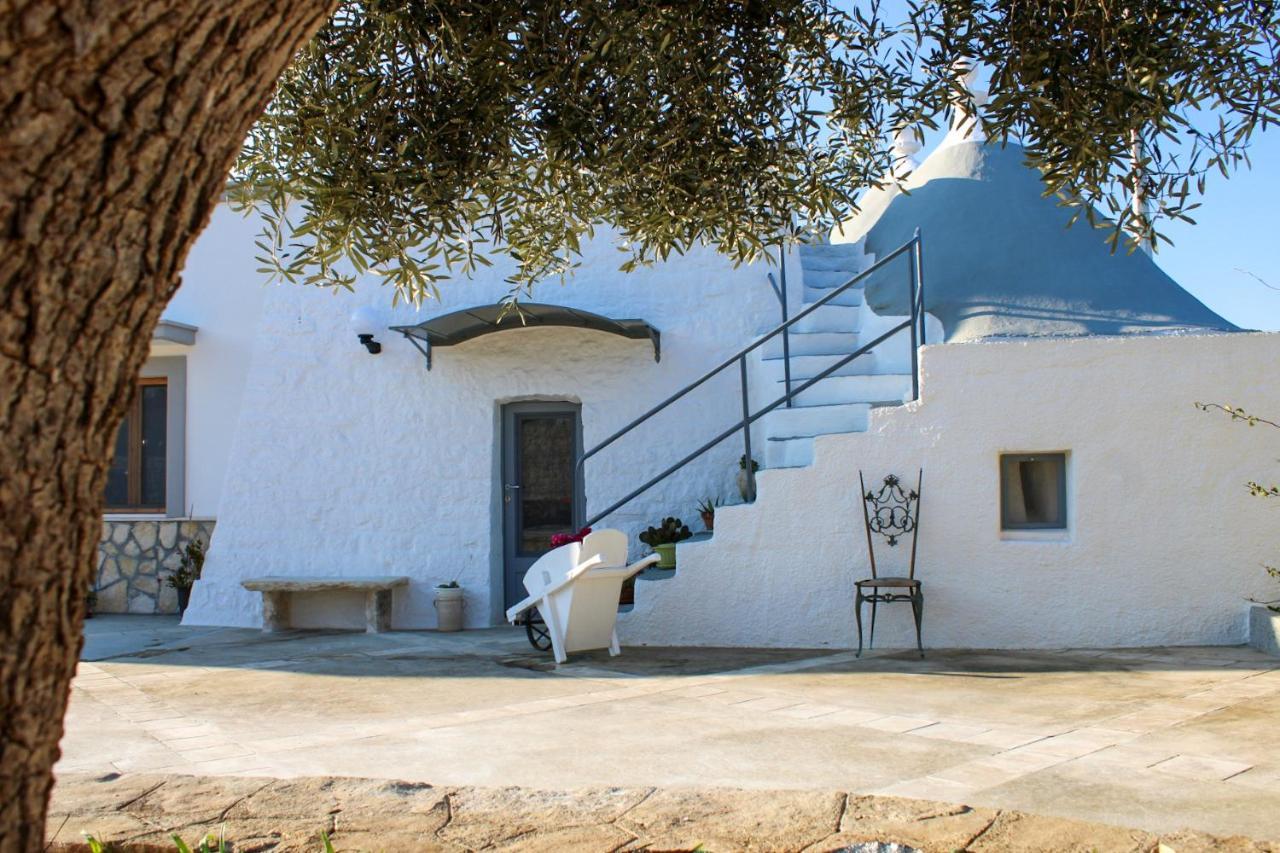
346 463
1164 545
222 294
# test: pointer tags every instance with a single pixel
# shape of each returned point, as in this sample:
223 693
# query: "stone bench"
276 592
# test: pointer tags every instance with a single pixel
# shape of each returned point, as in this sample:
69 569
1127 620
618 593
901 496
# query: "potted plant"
559 539
707 509
449 603
747 482
189 568
663 540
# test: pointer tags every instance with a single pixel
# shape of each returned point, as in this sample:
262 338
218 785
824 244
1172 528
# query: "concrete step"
807 366
875 388
833 256
827 279
808 421
852 296
831 318
811 343
788 452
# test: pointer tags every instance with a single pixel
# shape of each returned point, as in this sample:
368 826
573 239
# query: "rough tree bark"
118 124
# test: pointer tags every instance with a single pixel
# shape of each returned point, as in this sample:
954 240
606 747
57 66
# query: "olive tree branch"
1256 489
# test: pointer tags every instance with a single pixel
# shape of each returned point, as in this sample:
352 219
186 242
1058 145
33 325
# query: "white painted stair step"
850 297
811 343
830 318
866 388
833 256
788 452
808 366
829 279
806 421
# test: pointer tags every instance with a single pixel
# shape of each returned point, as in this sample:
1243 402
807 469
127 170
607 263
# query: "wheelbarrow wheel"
536 630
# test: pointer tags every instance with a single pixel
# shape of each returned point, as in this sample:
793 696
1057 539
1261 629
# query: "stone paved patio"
1156 739
285 815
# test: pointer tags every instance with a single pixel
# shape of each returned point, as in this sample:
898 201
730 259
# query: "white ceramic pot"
449 603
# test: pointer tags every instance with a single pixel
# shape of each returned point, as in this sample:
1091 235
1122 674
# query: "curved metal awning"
450 329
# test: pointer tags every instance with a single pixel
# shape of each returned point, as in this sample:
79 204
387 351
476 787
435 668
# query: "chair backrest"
609 545
553 566
892 513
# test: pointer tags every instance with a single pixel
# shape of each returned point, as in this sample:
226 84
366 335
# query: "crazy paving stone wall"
135 557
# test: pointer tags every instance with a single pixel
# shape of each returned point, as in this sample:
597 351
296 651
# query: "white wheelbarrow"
573 592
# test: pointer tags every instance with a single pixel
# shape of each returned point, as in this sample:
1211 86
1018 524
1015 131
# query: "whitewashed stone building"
317 457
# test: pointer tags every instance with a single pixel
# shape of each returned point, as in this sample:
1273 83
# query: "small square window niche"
1033 491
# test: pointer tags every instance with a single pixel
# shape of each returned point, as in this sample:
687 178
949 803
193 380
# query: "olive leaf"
415 140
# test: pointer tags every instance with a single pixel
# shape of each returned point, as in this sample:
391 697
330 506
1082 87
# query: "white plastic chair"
576 588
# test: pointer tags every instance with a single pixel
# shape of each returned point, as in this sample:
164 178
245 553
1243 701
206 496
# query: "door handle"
508 488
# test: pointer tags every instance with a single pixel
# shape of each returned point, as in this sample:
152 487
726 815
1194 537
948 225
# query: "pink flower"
560 539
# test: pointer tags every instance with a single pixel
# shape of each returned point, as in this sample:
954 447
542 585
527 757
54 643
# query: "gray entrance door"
540 442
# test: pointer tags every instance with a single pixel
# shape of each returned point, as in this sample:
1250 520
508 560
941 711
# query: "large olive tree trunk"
119 121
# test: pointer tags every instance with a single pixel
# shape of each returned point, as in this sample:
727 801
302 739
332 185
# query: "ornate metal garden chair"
892 513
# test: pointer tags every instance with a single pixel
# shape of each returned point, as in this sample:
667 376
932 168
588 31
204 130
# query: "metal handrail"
783 301
915 323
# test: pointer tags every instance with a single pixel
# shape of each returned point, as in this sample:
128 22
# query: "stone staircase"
842 402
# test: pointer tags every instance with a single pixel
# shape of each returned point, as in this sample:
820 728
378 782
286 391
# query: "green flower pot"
666 556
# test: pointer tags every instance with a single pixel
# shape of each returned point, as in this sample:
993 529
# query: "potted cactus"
663 539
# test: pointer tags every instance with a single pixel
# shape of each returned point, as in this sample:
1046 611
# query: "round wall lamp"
366 322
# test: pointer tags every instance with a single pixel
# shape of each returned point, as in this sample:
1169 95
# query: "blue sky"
1236 229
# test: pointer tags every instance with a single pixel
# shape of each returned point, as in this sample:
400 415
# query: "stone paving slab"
139 812
1155 739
